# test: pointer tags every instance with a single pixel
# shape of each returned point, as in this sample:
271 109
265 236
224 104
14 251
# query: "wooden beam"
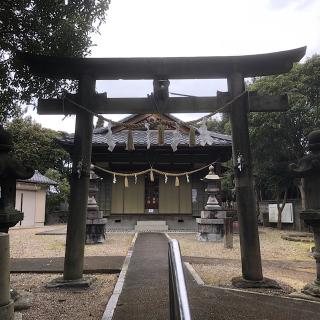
257 103
162 68
220 153
101 104
154 158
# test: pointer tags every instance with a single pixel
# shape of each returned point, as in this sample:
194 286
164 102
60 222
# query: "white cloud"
206 27
201 28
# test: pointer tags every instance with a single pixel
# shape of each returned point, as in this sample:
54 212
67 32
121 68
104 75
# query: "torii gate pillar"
81 159
246 205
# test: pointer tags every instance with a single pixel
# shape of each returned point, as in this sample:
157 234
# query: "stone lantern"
309 168
95 224
210 225
213 189
10 171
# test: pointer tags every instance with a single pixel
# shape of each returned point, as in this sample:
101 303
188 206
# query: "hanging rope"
162 121
204 134
151 171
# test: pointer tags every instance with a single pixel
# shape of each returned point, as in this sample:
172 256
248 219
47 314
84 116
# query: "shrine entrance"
237 102
151 204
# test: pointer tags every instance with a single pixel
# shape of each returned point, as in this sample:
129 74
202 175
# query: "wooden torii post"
234 68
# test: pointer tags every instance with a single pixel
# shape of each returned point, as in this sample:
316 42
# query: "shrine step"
153 225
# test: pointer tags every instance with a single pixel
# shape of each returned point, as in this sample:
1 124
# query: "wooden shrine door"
151 203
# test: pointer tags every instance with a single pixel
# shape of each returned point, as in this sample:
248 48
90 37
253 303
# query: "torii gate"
234 68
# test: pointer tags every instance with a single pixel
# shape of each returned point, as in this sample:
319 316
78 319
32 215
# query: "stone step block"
151 223
151 228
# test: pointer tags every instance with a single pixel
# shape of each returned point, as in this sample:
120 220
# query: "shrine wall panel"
169 199
185 196
134 196
117 196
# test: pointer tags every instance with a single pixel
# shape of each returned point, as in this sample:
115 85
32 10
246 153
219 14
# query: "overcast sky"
153 28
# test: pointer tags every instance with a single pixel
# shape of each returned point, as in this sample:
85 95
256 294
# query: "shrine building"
156 196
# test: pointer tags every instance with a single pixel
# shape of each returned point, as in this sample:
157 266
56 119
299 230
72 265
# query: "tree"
37 146
42 27
221 125
61 191
278 139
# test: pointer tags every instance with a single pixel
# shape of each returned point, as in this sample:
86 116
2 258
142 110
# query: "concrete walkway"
145 292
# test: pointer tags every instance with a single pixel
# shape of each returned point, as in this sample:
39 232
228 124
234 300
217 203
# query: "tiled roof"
40 179
140 138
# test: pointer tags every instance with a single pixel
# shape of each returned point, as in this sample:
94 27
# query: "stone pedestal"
6 304
95 224
312 218
210 227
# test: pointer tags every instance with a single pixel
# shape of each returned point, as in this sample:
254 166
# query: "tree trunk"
280 207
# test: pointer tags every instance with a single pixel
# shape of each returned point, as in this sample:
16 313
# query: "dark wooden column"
81 157
249 236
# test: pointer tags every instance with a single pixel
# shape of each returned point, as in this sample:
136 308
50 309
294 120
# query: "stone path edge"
112 303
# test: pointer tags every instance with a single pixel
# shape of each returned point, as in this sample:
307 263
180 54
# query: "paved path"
145 293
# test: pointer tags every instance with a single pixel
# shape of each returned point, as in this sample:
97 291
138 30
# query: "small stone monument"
96 224
309 168
210 225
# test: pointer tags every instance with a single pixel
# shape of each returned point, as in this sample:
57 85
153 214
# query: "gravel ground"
54 304
24 243
64 304
221 275
271 244
287 262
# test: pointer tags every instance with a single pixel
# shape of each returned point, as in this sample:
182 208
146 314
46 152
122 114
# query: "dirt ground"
290 263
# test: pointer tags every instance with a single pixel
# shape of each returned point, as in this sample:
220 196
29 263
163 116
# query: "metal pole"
6 304
249 236
81 158
179 303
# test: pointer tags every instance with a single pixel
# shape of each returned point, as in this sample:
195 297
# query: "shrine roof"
140 138
212 67
39 178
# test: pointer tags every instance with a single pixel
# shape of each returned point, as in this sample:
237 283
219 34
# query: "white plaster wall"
40 207
28 207
34 203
